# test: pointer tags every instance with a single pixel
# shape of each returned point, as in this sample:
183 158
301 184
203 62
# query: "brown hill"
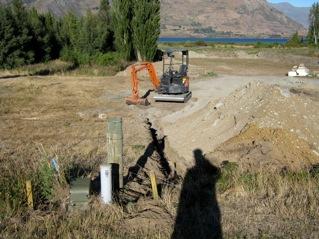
61 7
199 17
243 17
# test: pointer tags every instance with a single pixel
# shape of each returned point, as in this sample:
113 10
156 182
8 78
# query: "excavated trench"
136 182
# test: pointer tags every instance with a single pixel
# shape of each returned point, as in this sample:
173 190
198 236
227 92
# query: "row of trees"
127 29
26 37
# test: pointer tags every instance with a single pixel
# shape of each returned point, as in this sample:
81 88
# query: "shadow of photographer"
198 214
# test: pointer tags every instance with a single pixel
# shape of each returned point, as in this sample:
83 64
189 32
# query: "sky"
297 3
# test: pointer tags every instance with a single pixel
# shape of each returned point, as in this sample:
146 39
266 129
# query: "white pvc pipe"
106 183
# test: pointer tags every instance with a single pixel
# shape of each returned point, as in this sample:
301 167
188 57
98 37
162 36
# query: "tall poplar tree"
313 34
122 14
106 36
146 28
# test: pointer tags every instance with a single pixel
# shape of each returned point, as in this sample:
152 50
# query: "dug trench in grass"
137 182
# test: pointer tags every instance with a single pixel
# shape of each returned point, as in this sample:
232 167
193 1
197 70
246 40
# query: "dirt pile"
281 118
266 148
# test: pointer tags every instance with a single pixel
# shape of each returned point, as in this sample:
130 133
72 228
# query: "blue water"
224 40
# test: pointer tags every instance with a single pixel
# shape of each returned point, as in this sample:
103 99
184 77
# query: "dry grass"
260 206
271 205
263 204
62 68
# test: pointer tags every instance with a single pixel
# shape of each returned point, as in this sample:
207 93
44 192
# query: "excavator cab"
174 86
168 68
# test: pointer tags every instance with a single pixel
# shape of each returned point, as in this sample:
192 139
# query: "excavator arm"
135 99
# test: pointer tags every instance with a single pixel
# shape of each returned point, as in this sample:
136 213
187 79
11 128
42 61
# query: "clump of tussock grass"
266 204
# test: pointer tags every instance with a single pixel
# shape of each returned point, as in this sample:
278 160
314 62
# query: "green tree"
53 42
106 36
122 23
104 11
86 38
69 30
294 41
15 36
313 32
25 36
44 41
146 28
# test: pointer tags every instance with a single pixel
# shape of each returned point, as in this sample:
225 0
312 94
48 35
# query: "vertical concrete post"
114 147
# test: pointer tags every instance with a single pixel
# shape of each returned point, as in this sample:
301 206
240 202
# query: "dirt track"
222 107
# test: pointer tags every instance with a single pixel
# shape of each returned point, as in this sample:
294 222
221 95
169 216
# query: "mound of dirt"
284 119
266 148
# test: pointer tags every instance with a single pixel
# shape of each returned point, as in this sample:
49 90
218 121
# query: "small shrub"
228 175
297 177
249 181
200 43
266 45
110 58
12 194
82 58
294 41
212 74
44 182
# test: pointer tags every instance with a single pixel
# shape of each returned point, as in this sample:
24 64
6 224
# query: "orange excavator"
135 99
173 85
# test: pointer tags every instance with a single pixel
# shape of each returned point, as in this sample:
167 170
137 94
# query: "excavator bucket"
139 101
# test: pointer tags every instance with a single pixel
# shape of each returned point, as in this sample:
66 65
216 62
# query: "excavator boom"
135 99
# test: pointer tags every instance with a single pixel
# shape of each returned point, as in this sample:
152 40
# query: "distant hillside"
242 17
61 7
200 18
299 14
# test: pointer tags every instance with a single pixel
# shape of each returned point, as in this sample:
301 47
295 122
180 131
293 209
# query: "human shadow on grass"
198 214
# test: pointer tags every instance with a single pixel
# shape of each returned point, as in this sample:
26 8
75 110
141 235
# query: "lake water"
224 40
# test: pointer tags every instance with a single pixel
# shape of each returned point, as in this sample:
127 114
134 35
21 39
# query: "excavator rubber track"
180 98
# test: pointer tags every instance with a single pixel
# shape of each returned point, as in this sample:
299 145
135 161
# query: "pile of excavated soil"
266 148
285 125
